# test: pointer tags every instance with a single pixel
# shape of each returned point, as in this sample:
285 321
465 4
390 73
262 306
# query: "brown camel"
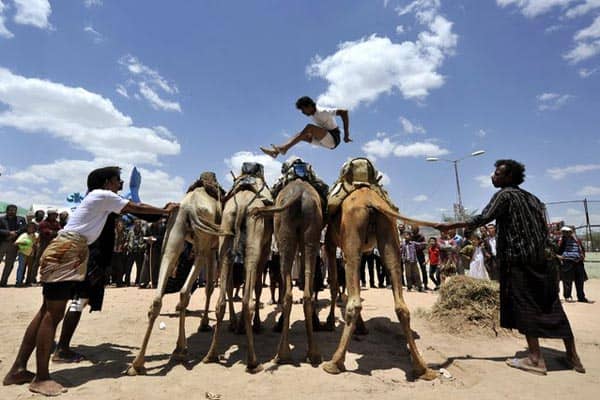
352 230
298 224
252 237
195 221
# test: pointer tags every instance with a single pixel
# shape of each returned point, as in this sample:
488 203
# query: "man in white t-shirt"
63 267
324 132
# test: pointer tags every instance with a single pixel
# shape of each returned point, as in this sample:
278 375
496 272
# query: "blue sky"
186 87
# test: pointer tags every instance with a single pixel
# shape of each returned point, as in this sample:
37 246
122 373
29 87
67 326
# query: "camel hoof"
332 368
314 359
428 375
204 328
135 371
254 369
283 359
210 359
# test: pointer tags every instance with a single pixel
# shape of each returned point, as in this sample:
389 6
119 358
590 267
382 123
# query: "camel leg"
287 251
256 324
180 352
226 283
389 248
351 241
310 260
252 257
173 249
211 267
333 279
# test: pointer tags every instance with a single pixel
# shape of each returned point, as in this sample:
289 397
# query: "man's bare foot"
47 388
270 152
18 377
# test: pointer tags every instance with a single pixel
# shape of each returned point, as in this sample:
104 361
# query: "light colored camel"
255 235
349 229
298 224
195 221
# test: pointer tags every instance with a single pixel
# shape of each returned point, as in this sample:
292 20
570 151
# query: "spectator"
409 256
383 276
477 263
48 229
35 262
420 246
136 246
11 227
572 255
26 243
119 256
152 258
367 261
341 269
63 218
448 256
433 251
489 252
275 278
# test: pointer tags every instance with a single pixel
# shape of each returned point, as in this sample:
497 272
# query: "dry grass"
467 305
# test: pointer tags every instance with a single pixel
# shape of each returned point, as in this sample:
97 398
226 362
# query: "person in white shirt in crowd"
63 266
324 132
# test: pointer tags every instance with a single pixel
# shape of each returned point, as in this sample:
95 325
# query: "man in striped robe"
529 300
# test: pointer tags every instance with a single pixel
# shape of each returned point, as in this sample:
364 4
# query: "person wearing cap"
572 255
64 267
529 293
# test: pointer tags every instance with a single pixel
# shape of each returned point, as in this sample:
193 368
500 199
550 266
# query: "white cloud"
586 72
379 148
589 191
552 101
534 8
560 173
481 133
92 3
385 178
122 90
96 36
33 12
485 181
383 147
587 43
420 198
86 121
573 212
4 32
583 8
272 166
553 28
362 70
419 149
410 127
399 29
149 83
156 101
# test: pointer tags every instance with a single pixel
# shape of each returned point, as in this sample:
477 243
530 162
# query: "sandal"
525 364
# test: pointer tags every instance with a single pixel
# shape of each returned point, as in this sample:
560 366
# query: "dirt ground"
378 364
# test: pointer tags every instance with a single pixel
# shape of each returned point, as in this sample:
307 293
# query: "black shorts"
55 291
336 134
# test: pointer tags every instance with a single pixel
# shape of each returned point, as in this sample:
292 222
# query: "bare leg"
42 383
18 373
307 134
571 357
63 351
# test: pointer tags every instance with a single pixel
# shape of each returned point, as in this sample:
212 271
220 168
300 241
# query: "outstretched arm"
141 208
343 114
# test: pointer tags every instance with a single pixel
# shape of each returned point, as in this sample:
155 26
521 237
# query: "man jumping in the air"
323 132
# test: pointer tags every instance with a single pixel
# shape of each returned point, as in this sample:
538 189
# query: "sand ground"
378 364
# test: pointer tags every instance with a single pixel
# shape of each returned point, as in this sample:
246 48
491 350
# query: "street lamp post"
458 213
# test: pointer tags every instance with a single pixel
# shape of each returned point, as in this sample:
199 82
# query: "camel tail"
387 211
203 225
269 211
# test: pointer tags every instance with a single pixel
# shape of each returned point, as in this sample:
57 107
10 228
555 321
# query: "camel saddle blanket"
355 174
65 259
298 169
253 179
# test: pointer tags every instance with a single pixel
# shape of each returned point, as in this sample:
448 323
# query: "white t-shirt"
90 216
325 118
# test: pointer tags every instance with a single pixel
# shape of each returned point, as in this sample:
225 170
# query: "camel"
194 221
298 223
252 237
365 221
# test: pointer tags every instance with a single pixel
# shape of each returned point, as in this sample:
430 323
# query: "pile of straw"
468 305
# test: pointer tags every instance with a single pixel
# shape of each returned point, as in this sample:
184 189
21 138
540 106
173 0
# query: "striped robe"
529 299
